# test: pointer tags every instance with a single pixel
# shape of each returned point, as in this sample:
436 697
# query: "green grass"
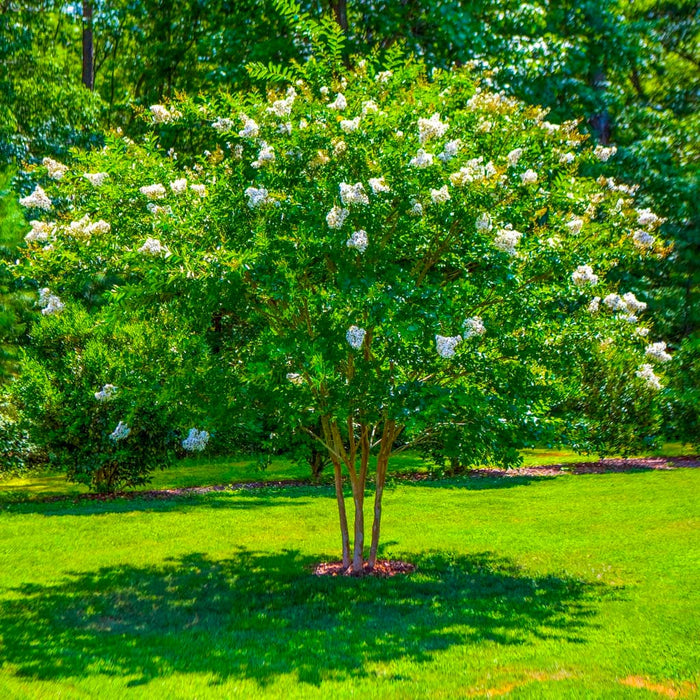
226 470
567 587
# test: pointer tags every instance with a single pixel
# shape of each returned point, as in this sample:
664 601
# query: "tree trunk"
344 534
88 59
386 444
340 10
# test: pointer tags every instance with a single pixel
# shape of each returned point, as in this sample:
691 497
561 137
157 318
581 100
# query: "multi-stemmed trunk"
346 454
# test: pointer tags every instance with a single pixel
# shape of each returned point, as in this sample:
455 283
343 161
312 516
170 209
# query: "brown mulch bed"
601 467
382 569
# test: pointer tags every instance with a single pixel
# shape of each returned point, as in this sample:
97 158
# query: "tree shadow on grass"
259 615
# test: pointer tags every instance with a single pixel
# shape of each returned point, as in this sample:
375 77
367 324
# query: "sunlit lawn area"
567 587
225 470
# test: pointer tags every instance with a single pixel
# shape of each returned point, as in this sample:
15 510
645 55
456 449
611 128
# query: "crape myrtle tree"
390 254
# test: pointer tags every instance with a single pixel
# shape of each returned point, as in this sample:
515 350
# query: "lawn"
567 587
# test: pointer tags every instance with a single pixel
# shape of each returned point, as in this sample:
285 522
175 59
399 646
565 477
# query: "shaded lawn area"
207 471
572 587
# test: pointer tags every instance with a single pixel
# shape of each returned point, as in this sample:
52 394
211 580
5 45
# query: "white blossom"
196 440
106 392
156 191
256 196
49 303
450 150
483 223
473 326
324 90
152 246
283 108
529 177
384 76
157 209
422 159
657 351
594 305
120 432
201 190
250 128
358 240
355 337
490 169
369 106
646 372
336 217
615 302
41 230
285 128
514 156
632 303
223 124
641 331
431 128
642 239
353 194
56 170
96 179
575 226
584 275
350 125
603 153
567 158
378 185
161 114
179 186
339 147
506 240
445 345
473 171
266 154
340 103
37 199
646 217
416 209
295 378
440 196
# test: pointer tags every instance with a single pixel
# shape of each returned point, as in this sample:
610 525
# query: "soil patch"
382 569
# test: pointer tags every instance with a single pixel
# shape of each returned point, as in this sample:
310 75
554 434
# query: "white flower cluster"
506 240
594 305
646 217
161 114
295 378
416 208
584 275
472 327
483 223
384 76
283 108
56 170
529 177
156 191
431 128
657 351
514 156
223 124
179 186
369 106
120 432
421 160
445 345
96 179
41 230
628 304
340 103
49 303
450 150
106 392
196 440
350 125
646 372
250 128
643 239
353 194
378 185
567 158
84 228
257 196
575 226
152 246
355 337
37 199
336 217
265 155
473 171
201 190
358 241
603 153
440 196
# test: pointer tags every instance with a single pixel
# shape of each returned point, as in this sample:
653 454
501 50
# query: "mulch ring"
382 569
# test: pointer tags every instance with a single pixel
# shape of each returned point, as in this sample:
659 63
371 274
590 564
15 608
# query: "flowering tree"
389 258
